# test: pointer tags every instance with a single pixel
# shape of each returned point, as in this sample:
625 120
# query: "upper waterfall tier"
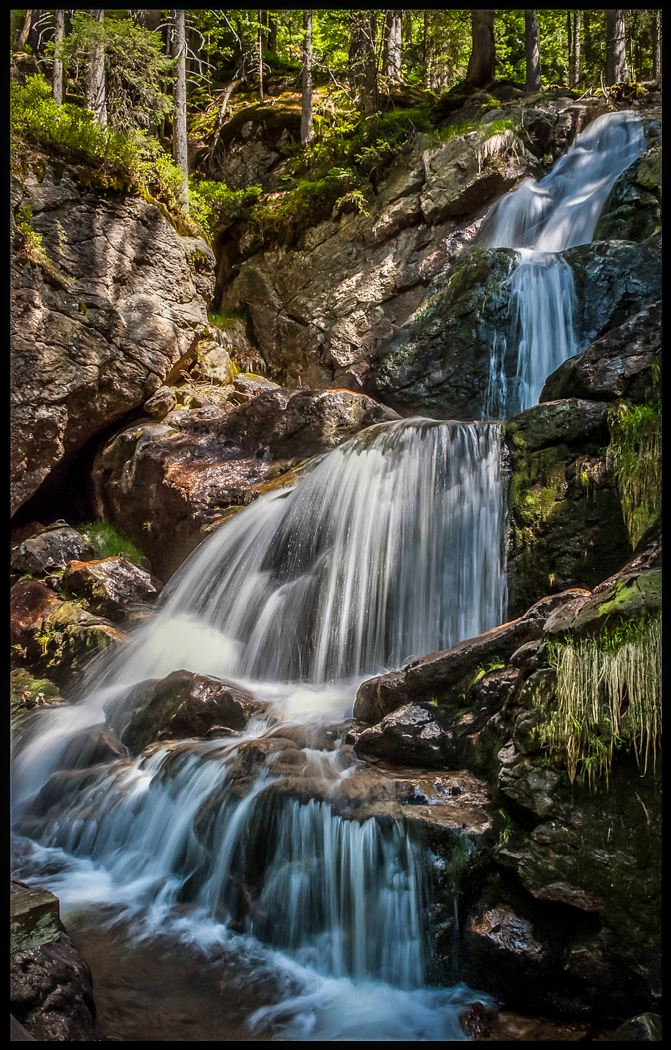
562 209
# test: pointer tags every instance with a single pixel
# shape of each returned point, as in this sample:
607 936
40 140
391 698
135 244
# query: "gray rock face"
123 321
409 735
625 362
319 312
634 210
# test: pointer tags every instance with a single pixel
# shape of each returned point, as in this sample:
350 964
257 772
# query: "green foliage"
135 67
33 248
635 454
133 162
608 696
225 320
308 203
108 543
214 207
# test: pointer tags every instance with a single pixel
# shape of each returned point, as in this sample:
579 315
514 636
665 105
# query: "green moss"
108 543
635 455
27 691
608 696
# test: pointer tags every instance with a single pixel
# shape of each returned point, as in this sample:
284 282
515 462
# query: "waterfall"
390 547
541 219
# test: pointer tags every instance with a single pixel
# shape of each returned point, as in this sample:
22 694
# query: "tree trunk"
577 48
179 141
407 31
657 46
482 63
392 53
533 52
569 50
272 32
94 88
307 130
260 51
370 65
23 35
57 73
616 54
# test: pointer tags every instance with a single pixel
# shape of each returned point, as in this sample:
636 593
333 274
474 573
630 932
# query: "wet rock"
614 280
29 602
567 894
409 735
95 746
530 787
178 473
624 363
186 705
52 549
566 523
529 656
124 319
111 586
160 403
51 992
644 1028
444 676
439 362
508 933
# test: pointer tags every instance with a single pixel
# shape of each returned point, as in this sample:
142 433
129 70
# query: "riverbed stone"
111 586
52 549
186 705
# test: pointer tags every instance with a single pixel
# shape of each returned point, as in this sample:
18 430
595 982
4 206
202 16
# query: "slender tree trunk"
260 50
272 31
533 52
577 48
657 46
94 88
616 54
57 73
425 41
23 35
370 63
392 54
307 130
179 141
407 31
482 63
569 49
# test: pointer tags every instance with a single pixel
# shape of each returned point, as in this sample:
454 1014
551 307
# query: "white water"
541 219
390 548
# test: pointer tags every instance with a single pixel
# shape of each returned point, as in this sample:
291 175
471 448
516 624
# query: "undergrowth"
635 455
608 697
108 543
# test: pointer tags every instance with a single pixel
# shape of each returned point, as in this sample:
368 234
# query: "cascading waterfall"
390 547
540 220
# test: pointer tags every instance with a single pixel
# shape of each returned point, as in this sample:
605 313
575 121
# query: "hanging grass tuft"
609 695
635 454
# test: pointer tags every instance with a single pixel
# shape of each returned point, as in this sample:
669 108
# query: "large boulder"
623 363
566 523
121 316
110 586
186 705
52 548
162 483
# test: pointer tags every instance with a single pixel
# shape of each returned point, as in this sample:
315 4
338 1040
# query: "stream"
219 896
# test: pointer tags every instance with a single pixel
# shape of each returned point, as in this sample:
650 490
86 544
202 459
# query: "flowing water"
309 925
541 220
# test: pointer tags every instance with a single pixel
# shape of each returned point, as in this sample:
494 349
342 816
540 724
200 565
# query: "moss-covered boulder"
566 524
27 692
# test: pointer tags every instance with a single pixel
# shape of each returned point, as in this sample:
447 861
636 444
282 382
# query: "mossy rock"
27 692
633 596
